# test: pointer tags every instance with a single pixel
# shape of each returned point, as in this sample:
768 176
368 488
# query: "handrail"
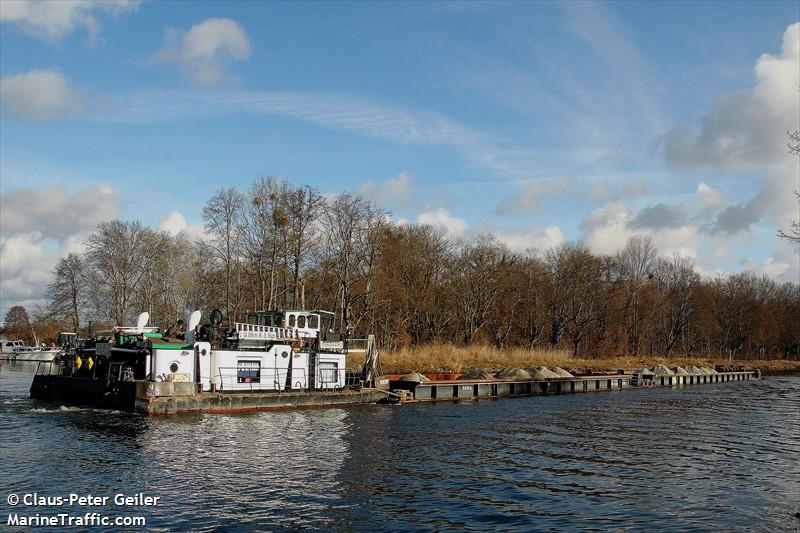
275 379
259 332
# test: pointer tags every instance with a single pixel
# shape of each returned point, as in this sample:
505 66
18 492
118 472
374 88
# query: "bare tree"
119 256
636 260
675 281
68 291
303 207
535 292
352 227
222 215
478 278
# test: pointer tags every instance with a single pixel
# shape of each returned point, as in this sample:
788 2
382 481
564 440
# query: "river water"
708 457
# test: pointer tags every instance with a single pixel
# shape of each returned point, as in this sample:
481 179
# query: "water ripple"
719 457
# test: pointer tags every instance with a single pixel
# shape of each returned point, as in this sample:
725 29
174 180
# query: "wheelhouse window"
301 321
313 321
248 372
291 321
328 373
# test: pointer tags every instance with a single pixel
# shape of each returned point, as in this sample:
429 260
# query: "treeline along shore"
414 286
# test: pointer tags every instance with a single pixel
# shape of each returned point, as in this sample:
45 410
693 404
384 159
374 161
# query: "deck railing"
274 379
257 332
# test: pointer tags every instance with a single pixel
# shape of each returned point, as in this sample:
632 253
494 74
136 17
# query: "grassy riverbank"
448 358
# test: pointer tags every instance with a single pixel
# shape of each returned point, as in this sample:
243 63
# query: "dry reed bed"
449 358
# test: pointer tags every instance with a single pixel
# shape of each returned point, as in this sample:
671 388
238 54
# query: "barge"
411 391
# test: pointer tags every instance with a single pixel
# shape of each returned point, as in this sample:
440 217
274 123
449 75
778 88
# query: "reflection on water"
706 457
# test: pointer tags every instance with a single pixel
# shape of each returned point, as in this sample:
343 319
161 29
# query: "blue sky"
539 122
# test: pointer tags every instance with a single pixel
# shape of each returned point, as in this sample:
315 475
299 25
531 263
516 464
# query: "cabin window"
328 373
248 372
313 321
301 321
252 319
291 321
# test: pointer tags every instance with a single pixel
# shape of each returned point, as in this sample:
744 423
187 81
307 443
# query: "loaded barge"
409 391
285 360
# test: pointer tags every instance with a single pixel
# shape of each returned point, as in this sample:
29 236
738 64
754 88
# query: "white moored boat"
19 351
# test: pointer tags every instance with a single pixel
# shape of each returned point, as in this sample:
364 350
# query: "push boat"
273 360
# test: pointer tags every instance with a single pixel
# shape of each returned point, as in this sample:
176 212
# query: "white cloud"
38 95
25 269
18 252
531 195
392 193
710 198
441 217
205 51
38 227
782 265
53 19
534 238
607 229
174 224
55 212
747 129
773 201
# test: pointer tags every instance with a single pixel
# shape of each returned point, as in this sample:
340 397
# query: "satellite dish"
141 322
194 319
216 317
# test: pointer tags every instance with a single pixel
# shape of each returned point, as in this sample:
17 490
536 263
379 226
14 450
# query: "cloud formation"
773 201
606 229
441 217
39 95
53 19
205 51
522 240
746 129
659 216
174 223
392 193
38 227
55 212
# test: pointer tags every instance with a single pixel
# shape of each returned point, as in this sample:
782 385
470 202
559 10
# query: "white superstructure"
271 351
